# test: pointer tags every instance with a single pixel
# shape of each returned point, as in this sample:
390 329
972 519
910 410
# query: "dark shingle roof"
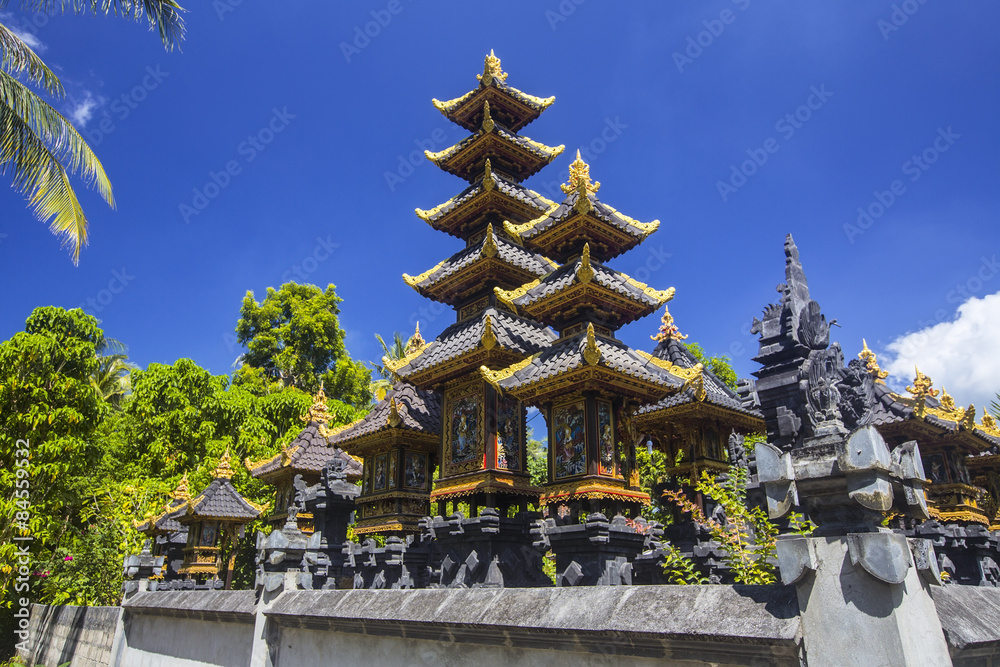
501 184
568 355
890 408
531 265
716 391
512 333
535 104
220 500
418 409
308 452
166 521
541 153
599 210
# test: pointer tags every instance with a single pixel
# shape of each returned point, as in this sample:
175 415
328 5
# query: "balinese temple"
215 520
168 536
399 442
306 455
948 436
694 426
482 445
588 383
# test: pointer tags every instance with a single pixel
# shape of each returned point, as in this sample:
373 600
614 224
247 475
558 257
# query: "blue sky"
833 101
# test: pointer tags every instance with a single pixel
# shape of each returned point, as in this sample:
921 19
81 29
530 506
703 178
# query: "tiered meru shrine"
537 312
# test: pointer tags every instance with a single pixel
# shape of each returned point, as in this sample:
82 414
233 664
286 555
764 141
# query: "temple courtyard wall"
608 625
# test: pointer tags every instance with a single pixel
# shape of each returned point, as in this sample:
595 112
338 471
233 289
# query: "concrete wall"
80 635
187 629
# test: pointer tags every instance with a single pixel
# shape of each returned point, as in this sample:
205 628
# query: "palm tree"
37 144
383 384
112 378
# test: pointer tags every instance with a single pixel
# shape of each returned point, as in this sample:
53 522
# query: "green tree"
720 365
538 465
293 337
37 144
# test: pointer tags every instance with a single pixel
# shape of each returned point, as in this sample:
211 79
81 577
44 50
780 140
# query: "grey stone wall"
81 636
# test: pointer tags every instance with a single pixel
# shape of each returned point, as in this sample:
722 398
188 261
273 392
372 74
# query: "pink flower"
68 558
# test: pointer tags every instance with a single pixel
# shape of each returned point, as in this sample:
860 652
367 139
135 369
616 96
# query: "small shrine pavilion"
168 536
304 456
215 519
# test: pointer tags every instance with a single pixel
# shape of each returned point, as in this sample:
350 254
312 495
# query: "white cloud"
84 110
962 356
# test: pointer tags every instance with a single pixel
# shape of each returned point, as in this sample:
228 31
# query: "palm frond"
39 145
19 58
164 16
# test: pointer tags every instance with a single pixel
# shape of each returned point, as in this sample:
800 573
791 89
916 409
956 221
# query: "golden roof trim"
517 230
494 378
591 353
585 272
988 424
491 70
646 227
224 469
414 281
668 330
686 374
508 296
871 363
447 105
663 296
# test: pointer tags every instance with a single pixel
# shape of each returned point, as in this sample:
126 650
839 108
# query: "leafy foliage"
293 337
719 365
40 147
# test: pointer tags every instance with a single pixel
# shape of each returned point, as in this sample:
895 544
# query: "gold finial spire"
922 388
394 419
591 353
947 402
989 424
415 343
969 418
489 243
491 70
225 469
871 362
318 414
182 492
488 123
579 178
488 183
585 272
668 329
488 339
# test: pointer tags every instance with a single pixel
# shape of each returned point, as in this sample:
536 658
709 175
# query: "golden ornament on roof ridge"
579 176
585 272
668 329
871 362
591 353
224 470
491 70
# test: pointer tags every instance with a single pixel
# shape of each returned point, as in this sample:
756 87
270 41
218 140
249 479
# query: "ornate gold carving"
922 388
414 281
494 378
668 330
491 70
663 296
182 492
988 425
969 418
579 175
394 419
508 296
488 183
488 123
489 243
871 362
948 410
449 105
686 374
411 353
591 353
517 230
225 469
489 339
585 272
646 228
318 413
416 342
